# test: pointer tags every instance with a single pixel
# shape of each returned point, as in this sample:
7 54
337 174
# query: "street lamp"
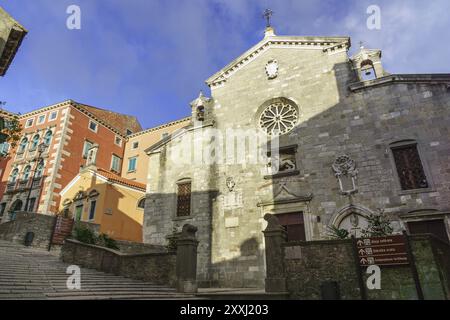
41 149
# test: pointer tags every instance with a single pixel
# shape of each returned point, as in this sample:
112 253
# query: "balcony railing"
20 155
36 182
11 186
23 184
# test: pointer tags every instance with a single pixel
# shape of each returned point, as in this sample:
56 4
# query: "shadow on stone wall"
360 124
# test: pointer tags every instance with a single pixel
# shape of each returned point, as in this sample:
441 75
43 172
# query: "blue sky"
150 58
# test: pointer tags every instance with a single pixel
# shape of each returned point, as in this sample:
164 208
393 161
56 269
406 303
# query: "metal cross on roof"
268 15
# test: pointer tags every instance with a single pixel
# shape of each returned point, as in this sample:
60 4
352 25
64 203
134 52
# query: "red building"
54 146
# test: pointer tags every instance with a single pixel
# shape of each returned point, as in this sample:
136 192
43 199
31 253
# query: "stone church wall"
334 121
160 219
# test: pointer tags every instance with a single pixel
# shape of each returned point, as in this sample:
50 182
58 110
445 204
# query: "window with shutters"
87 145
184 199
132 162
115 163
409 167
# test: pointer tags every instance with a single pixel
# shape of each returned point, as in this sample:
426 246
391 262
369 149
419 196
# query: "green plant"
10 131
105 241
84 234
378 226
336 233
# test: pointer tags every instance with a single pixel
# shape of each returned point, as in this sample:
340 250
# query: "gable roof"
163 126
112 177
120 121
327 44
117 122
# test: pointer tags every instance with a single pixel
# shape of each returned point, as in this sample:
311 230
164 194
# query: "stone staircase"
27 273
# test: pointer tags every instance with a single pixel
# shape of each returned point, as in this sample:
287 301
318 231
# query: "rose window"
279 118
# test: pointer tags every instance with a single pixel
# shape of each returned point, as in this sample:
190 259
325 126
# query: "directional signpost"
385 251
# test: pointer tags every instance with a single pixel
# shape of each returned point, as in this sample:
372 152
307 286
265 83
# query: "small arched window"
48 138
23 145
26 173
34 142
14 175
40 169
141 203
94 194
368 70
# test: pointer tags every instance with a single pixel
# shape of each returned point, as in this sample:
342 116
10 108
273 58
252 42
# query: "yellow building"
114 203
135 160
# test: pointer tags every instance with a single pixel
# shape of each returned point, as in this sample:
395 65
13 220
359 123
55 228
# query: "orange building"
115 203
103 198
54 146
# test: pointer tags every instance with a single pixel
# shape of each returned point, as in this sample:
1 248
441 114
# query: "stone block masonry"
41 225
336 115
168 268
308 265
157 268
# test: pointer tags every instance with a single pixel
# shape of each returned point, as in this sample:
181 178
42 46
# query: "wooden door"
294 225
434 227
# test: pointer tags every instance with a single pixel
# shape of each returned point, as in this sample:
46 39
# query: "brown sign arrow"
383 251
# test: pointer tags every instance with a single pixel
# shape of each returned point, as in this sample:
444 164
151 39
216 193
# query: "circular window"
278 118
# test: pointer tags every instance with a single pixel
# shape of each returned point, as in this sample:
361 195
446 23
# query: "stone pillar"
275 236
187 260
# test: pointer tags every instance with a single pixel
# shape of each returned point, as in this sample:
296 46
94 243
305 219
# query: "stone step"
30 274
78 293
126 297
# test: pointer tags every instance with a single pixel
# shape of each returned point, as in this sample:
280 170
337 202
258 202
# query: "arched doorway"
353 219
15 207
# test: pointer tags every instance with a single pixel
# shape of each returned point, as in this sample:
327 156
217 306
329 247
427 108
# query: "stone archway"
17 206
352 218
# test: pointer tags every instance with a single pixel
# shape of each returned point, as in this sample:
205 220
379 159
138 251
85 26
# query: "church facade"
296 128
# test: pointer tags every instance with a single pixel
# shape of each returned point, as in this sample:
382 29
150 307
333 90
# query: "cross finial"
268 15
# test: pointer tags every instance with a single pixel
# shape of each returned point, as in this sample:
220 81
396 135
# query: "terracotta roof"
118 179
121 122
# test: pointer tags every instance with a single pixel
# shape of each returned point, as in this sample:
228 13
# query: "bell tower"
367 64
201 108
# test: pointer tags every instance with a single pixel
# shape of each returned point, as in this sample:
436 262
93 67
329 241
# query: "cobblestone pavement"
27 273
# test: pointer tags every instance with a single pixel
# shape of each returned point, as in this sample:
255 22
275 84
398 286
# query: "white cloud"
156 54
